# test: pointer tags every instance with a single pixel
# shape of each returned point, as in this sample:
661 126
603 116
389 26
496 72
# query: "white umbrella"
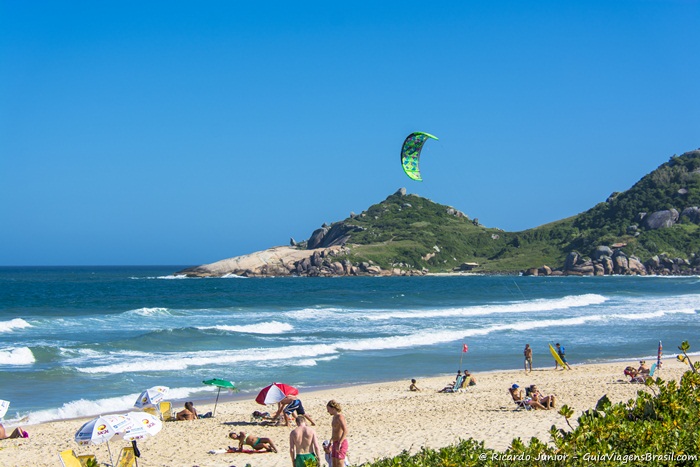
102 429
4 405
143 425
151 396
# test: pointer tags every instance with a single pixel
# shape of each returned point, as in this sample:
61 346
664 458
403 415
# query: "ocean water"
78 341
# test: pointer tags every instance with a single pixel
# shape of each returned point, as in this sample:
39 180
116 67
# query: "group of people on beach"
303 441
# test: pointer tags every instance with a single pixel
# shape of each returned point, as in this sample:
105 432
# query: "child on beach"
413 386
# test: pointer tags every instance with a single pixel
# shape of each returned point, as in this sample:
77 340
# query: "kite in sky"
410 154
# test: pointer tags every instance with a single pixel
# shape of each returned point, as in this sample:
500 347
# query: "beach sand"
383 419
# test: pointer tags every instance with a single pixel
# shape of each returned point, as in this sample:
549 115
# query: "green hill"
411 232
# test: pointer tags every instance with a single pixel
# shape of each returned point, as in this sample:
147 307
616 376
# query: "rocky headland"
652 228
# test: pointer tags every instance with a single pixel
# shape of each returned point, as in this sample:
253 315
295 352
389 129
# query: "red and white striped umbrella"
275 393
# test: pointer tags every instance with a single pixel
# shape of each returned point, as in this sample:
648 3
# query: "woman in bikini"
256 443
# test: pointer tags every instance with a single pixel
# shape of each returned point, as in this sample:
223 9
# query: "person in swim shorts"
339 441
298 407
303 443
257 444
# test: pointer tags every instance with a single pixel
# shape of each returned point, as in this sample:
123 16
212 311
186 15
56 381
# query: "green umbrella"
220 383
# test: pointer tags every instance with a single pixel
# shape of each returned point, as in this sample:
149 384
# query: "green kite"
410 154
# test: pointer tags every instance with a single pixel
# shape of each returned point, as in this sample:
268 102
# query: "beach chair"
463 387
166 411
455 387
70 459
127 458
520 403
153 411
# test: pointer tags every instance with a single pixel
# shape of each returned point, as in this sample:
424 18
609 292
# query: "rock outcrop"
290 261
335 235
618 263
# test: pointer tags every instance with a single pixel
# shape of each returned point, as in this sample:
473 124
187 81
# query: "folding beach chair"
70 459
456 386
127 458
166 411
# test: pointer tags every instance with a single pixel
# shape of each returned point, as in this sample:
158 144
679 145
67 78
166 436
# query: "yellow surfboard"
556 356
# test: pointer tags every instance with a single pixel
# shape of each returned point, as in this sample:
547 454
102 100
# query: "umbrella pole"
111 461
217 401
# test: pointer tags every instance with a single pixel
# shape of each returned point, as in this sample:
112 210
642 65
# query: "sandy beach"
384 419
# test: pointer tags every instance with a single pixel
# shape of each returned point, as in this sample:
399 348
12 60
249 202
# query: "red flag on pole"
464 347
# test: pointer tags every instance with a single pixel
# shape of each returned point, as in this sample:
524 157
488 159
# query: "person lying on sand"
16 433
257 444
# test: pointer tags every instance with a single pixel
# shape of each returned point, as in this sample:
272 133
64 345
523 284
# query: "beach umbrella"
4 405
220 383
275 393
151 396
142 426
659 352
102 429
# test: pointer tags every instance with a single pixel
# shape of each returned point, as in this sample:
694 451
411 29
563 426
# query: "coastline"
384 419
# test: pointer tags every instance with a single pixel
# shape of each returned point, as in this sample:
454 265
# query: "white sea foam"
233 276
270 327
181 361
156 311
11 325
87 408
314 313
531 306
16 356
309 354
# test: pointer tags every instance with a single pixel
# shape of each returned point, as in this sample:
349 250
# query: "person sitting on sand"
258 444
469 379
547 401
517 394
643 368
413 386
635 376
190 413
16 433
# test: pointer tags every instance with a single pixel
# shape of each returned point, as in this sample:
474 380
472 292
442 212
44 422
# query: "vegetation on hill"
412 232
660 427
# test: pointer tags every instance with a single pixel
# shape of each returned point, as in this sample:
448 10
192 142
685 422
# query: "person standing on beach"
339 441
303 443
528 357
562 355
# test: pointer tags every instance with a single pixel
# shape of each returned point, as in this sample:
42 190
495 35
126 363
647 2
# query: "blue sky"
187 132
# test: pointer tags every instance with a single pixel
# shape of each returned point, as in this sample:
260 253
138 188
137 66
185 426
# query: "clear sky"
182 133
